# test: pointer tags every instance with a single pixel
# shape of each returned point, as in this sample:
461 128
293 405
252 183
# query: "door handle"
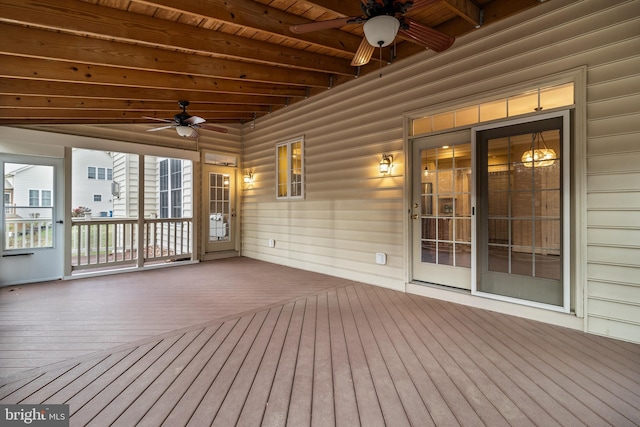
59 221
414 216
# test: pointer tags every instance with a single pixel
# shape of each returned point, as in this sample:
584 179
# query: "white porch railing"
113 242
24 233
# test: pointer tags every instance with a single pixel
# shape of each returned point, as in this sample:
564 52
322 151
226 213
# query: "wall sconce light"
386 163
539 155
248 178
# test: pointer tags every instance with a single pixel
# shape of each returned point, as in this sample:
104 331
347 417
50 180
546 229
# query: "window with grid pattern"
290 169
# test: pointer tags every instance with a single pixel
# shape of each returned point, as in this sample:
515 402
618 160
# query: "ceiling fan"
185 124
383 20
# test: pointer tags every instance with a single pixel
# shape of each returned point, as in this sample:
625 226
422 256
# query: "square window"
97 197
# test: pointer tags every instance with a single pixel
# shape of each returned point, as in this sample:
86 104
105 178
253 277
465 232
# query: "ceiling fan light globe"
184 131
380 31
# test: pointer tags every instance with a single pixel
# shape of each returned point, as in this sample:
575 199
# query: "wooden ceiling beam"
17 87
72 72
149 107
18 40
466 9
341 7
493 12
113 116
250 14
70 16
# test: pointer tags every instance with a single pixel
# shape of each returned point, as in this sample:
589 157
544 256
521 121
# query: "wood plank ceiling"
115 61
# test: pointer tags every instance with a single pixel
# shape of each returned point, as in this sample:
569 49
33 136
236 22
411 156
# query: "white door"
32 238
442 210
219 185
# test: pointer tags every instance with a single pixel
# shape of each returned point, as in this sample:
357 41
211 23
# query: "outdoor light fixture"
248 178
385 164
381 30
184 131
539 155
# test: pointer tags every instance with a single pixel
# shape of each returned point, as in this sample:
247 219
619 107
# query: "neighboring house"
167 187
92 177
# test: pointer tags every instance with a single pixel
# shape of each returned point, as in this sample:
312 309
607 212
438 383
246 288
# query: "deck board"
195 392
277 406
322 402
154 413
148 392
434 404
367 397
337 353
302 388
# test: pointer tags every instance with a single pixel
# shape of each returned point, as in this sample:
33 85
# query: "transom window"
523 103
289 169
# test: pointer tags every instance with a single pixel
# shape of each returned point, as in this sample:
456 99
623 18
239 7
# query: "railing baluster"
105 243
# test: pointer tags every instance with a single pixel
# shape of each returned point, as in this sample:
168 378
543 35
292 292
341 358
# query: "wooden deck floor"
307 350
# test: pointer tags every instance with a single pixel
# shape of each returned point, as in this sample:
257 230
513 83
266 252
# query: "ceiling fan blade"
363 54
325 25
426 36
194 120
194 133
214 128
157 119
160 128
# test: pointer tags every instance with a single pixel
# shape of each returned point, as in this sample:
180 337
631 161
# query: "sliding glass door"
521 201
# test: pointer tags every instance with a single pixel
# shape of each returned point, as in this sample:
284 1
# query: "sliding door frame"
566 210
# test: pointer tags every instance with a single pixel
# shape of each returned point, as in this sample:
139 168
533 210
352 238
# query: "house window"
171 188
46 198
97 197
39 198
34 197
289 169
99 173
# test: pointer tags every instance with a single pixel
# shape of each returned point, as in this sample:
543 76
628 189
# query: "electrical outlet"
272 243
381 258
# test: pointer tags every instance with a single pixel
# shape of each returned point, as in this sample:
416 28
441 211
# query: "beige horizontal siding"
612 327
347 129
613 187
604 289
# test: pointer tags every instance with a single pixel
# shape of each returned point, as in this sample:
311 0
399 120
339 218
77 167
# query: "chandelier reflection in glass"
539 155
